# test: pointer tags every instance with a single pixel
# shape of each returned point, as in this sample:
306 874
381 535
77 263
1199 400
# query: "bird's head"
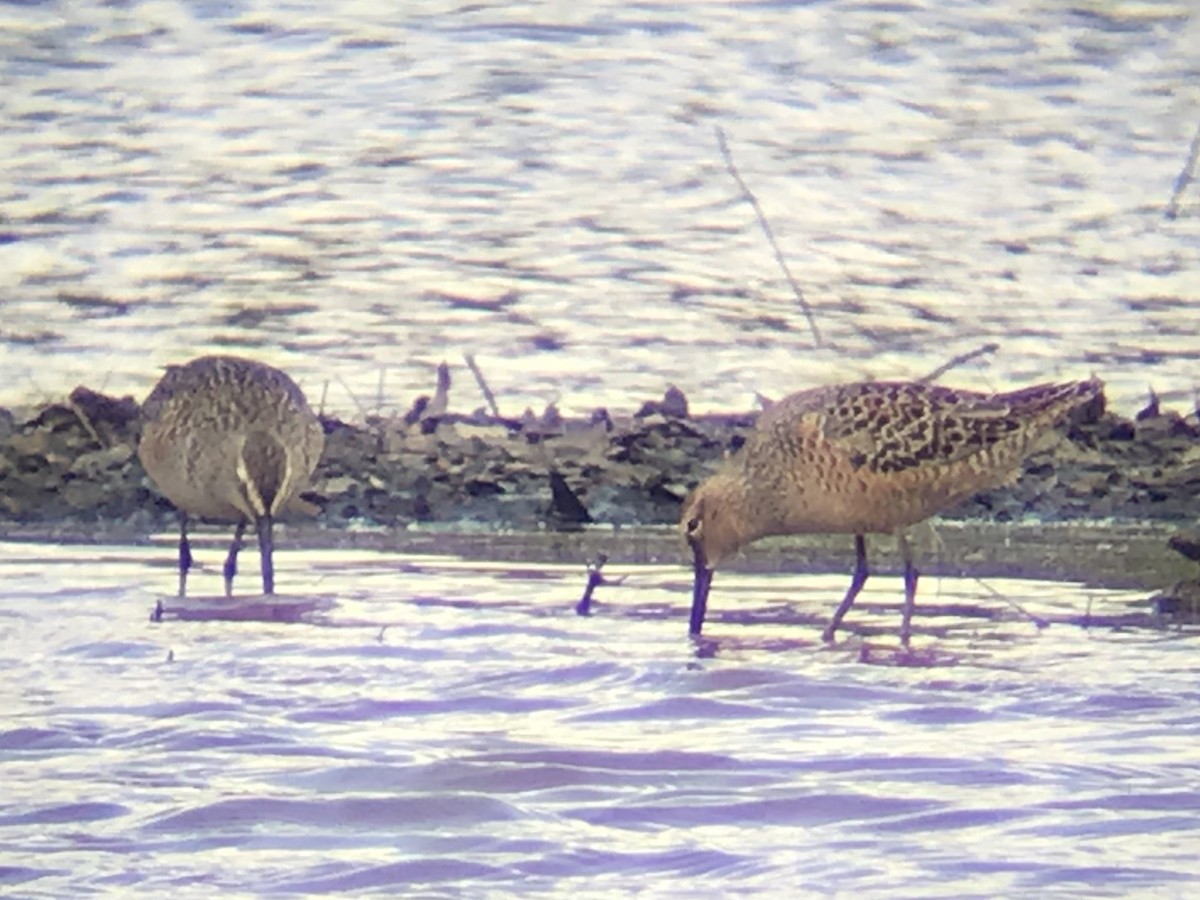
712 521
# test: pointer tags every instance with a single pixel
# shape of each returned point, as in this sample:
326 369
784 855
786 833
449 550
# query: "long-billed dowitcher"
861 459
232 439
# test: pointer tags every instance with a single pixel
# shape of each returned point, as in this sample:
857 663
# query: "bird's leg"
266 550
235 547
185 553
703 582
910 587
860 578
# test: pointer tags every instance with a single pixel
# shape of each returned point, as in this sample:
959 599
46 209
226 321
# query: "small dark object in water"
1187 545
595 579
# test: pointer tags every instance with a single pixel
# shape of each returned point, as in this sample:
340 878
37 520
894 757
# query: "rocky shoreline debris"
74 462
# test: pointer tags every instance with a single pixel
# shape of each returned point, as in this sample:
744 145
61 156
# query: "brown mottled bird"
868 458
229 438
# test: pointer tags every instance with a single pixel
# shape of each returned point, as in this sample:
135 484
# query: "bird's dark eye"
693 524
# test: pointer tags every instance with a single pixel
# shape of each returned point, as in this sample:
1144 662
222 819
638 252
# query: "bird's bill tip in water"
703 580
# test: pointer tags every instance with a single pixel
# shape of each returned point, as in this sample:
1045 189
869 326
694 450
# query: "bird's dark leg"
703 582
266 549
185 553
860 578
910 587
235 547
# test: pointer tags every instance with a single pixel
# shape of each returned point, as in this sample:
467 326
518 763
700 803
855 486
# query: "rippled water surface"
359 192
429 726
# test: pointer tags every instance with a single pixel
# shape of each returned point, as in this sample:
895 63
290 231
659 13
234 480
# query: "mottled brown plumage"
866 458
229 438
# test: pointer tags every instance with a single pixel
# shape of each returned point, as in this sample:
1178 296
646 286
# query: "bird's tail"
1054 401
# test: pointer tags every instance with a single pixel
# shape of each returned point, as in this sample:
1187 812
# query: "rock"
1150 410
1180 602
75 462
112 418
601 420
1186 544
566 509
673 405
93 465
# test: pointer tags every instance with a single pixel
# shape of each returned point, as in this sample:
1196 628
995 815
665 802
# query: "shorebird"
232 439
867 458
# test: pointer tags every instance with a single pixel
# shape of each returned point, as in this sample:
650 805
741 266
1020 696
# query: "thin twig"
86 423
958 361
766 227
483 386
324 396
1036 620
441 394
1185 176
362 410
379 391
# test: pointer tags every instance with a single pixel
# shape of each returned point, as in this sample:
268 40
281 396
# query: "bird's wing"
896 427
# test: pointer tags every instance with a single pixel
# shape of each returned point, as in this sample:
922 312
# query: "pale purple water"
381 187
359 193
487 741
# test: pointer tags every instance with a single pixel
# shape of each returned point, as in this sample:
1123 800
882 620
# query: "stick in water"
1185 176
958 361
595 578
483 386
766 227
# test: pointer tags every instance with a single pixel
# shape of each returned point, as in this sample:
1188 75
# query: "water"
438 727
360 194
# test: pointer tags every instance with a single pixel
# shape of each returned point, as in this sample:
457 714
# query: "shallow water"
434 727
358 195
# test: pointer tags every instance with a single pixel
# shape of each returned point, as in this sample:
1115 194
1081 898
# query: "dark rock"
1150 410
116 416
601 416
1180 602
566 509
74 462
417 412
673 406
1186 544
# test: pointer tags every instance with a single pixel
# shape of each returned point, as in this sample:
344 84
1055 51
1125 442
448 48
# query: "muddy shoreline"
438 481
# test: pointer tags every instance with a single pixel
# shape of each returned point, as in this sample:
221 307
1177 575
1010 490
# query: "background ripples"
358 195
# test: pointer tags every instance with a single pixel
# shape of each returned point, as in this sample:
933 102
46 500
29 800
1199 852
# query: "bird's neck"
731 523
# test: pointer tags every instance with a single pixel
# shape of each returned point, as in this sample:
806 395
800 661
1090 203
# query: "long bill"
703 581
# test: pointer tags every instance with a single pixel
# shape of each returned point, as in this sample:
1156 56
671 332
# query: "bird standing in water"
866 458
233 439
